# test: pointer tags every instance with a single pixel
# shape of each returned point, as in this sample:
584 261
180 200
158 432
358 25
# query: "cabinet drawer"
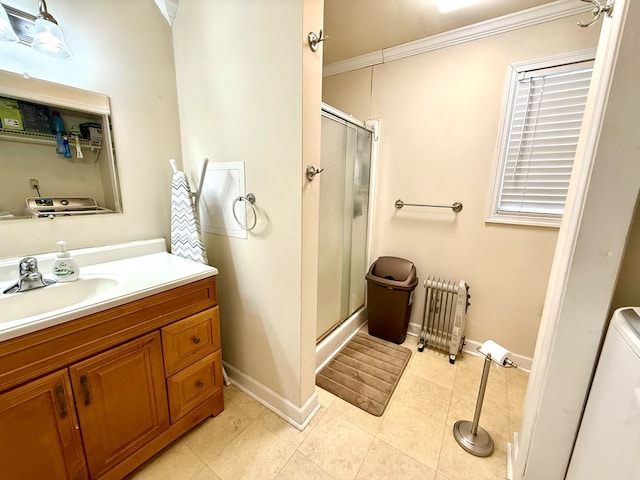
190 386
191 339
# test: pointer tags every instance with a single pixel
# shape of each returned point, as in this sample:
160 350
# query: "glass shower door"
343 221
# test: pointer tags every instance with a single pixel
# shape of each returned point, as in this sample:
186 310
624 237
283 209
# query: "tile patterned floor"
411 440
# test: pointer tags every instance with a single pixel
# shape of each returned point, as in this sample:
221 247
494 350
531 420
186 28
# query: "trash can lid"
394 268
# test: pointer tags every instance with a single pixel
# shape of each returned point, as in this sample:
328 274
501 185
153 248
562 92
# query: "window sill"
528 221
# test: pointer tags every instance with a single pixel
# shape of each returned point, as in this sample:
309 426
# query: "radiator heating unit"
445 312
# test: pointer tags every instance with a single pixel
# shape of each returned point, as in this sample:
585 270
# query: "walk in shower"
346 151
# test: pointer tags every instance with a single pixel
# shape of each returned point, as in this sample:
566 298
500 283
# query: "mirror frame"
65 97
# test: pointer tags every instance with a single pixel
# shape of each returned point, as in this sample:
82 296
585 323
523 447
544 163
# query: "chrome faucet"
30 277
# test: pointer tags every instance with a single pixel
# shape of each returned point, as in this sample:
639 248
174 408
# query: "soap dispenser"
65 267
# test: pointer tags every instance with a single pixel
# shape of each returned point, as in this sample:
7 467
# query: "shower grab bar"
456 206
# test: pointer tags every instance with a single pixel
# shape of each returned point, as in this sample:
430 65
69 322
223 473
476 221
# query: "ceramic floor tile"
517 377
410 342
497 427
413 437
493 399
517 381
442 476
230 392
456 463
176 462
300 467
284 430
337 446
469 378
384 462
367 422
248 405
413 434
515 423
516 389
255 454
433 366
325 398
210 438
206 474
494 416
429 400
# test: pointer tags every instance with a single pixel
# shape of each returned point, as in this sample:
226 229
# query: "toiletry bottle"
59 130
65 267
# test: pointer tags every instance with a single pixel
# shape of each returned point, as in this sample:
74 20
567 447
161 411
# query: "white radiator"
445 311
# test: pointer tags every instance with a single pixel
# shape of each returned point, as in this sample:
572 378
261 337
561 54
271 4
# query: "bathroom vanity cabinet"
97 396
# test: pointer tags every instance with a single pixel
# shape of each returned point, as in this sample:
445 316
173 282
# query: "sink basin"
111 275
31 303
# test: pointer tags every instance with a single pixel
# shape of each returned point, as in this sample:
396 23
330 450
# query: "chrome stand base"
480 444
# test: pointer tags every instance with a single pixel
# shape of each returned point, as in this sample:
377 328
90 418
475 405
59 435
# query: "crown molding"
506 23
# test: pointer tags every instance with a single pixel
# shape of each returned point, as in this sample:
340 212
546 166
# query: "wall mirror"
57 154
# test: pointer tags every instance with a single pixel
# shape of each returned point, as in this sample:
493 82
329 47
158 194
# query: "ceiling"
357 27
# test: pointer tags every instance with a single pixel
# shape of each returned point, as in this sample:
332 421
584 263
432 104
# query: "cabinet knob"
195 339
200 384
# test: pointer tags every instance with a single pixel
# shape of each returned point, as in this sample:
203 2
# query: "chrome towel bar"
456 206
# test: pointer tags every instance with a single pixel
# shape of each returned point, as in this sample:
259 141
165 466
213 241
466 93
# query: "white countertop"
119 280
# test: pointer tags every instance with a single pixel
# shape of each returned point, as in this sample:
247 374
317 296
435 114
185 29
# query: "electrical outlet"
33 183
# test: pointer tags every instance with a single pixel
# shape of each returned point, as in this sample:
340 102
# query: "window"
542 120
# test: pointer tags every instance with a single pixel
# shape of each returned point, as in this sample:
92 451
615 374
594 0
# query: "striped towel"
185 227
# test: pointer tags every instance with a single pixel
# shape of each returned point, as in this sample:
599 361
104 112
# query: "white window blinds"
547 110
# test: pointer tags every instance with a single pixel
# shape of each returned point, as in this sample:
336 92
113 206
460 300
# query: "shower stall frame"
331 342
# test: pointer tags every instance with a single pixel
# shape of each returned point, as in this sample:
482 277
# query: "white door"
602 197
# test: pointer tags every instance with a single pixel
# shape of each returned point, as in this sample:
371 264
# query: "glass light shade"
48 39
6 32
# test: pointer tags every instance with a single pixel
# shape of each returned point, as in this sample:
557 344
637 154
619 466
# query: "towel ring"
250 199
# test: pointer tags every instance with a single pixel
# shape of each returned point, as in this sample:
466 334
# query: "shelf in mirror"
48 139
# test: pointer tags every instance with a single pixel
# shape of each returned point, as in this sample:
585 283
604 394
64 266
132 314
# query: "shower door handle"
312 172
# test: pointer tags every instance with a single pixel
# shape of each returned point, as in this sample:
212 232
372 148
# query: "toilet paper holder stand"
469 434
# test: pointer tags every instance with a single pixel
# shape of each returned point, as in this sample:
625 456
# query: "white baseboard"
414 329
512 455
299 417
470 346
331 345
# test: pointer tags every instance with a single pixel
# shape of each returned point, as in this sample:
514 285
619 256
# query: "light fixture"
47 36
6 31
42 33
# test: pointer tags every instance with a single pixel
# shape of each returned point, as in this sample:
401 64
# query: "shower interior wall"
440 112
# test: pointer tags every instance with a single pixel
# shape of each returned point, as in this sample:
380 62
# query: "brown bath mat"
365 372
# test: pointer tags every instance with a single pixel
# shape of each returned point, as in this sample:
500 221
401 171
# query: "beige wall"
440 113
627 291
57 176
240 76
311 127
242 98
122 49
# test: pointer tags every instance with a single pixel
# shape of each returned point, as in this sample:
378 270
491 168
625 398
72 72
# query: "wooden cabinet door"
39 436
121 400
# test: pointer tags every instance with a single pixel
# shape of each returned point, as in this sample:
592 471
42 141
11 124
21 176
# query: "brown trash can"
390 285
